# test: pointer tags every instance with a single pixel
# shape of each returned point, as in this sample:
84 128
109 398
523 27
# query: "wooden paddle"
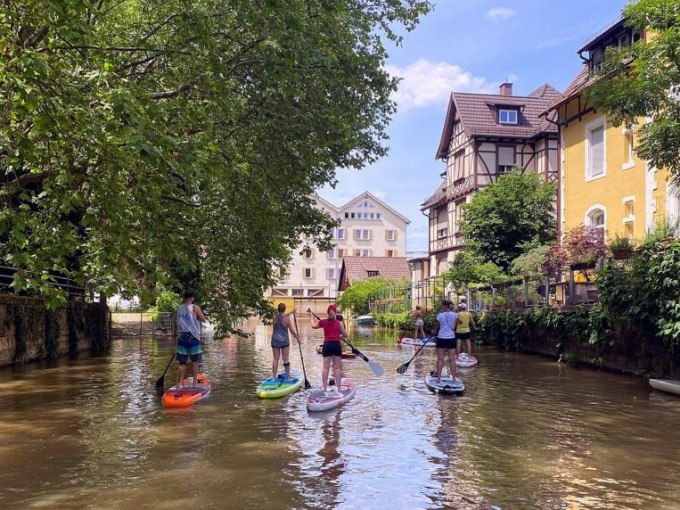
376 368
307 385
403 368
161 380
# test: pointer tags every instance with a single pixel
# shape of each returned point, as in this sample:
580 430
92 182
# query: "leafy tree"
644 81
149 141
531 262
469 268
508 215
359 295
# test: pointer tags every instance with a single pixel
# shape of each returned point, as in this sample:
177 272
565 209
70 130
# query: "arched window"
596 218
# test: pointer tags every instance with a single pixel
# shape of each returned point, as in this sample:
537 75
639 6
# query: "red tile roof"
355 269
477 113
575 87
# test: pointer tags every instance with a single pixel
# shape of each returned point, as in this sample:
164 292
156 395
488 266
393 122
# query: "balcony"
460 187
446 243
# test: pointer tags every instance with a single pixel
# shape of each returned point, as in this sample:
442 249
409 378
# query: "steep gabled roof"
579 83
436 198
477 113
355 269
325 203
371 196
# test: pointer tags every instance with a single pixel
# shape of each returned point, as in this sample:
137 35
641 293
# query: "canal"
529 433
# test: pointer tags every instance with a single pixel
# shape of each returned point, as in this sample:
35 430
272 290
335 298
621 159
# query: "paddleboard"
447 386
186 396
667 385
418 342
345 355
464 360
323 401
281 386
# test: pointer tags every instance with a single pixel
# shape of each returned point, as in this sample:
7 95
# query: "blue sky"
467 46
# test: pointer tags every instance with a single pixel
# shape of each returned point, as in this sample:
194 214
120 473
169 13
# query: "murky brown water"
529 433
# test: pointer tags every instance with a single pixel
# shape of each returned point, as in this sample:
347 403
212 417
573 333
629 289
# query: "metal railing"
64 283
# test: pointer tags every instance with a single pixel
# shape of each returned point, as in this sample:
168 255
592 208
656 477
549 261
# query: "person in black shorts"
446 339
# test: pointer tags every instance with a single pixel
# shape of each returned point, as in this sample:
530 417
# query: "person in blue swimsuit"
189 319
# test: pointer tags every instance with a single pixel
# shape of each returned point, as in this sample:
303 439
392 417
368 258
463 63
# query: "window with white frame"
279 292
596 218
673 203
314 292
372 274
596 162
297 292
507 116
362 234
308 272
331 273
362 252
309 254
341 233
331 254
390 235
377 216
390 253
442 232
628 147
506 159
341 252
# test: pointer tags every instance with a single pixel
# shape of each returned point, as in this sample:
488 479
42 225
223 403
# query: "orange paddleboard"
186 396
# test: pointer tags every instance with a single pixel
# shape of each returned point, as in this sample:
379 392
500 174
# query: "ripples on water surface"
529 433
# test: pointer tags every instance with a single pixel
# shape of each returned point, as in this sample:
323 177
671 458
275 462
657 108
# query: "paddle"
307 385
403 368
376 368
161 380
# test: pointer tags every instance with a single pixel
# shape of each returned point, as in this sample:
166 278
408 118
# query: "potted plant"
621 248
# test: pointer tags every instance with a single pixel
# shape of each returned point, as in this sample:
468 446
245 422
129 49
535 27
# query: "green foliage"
530 263
181 142
97 322
166 302
503 329
621 247
506 216
401 321
357 298
647 85
470 268
570 358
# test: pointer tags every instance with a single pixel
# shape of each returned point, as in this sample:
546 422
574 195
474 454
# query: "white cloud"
426 83
500 13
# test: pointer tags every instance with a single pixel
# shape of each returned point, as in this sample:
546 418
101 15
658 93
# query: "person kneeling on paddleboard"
333 332
280 340
189 318
446 339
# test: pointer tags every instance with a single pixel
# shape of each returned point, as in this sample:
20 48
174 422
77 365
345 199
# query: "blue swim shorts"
188 346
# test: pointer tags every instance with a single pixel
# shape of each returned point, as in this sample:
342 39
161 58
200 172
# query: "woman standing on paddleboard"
464 330
189 318
333 332
280 340
446 339
418 323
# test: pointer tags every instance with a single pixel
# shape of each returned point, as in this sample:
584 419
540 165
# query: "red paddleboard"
186 396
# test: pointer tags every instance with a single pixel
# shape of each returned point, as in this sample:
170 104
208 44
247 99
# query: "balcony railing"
452 241
460 187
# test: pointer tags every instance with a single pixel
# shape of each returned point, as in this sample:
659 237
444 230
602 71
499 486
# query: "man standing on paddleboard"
280 340
189 318
333 332
446 339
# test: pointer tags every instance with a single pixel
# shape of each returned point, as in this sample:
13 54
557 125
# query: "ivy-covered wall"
29 331
581 336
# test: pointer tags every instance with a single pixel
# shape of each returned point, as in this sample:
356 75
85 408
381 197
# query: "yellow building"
602 181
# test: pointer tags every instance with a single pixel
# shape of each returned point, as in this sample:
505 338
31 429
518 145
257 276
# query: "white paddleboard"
325 400
464 360
447 386
418 342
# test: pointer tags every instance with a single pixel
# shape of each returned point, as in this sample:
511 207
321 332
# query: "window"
628 155
308 272
341 233
442 232
298 292
279 292
309 254
458 214
672 202
390 235
351 215
362 252
331 273
372 216
507 116
362 234
458 167
595 149
372 274
331 254
596 217
314 292
390 253
629 209
341 252
346 215
377 216
506 158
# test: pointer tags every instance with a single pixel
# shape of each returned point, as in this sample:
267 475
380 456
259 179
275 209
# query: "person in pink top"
333 333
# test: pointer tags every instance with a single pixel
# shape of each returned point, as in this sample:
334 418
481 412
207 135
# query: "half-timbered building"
485 136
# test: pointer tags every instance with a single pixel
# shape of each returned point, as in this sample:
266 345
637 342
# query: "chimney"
506 89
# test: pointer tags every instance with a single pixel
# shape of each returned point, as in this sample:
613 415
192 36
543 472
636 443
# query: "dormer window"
506 116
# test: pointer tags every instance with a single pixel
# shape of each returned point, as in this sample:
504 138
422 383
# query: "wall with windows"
604 183
368 228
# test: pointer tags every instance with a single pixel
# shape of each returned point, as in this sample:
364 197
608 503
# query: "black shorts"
331 349
463 336
446 343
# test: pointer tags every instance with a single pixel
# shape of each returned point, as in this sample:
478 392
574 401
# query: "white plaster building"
369 228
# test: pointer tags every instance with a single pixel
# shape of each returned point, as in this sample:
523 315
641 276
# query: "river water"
528 434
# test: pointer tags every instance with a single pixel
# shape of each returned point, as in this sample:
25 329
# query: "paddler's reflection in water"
332 467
